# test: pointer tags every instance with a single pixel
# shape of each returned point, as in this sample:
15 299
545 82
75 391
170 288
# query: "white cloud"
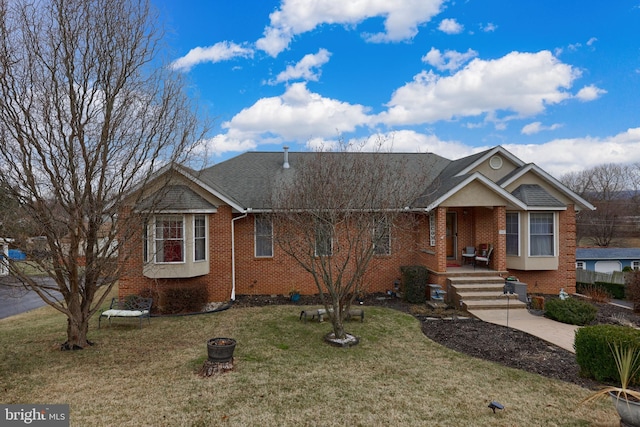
221 51
536 127
590 93
401 19
400 141
522 83
591 41
450 26
489 28
226 143
561 156
450 60
307 69
297 115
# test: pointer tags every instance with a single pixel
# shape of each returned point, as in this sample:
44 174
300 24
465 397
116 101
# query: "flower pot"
628 410
220 350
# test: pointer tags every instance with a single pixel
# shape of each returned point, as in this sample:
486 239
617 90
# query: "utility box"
516 287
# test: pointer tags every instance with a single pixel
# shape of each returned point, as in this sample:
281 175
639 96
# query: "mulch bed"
508 347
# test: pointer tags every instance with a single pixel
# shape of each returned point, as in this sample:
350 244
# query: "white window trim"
145 243
581 265
255 237
519 232
635 265
155 240
206 238
555 235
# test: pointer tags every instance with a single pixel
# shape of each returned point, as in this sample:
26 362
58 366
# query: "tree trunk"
337 321
77 330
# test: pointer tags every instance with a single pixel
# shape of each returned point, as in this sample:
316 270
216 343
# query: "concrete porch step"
513 303
485 280
479 287
480 295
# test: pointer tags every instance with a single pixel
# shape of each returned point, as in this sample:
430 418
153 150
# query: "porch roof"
535 196
177 198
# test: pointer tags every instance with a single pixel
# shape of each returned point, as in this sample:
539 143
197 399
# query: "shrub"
595 292
184 300
593 350
632 289
414 283
152 293
571 311
616 290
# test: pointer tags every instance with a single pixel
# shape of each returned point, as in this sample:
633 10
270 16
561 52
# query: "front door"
451 234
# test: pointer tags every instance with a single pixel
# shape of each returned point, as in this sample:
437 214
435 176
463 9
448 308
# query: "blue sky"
555 82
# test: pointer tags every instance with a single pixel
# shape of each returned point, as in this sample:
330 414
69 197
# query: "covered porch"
456 230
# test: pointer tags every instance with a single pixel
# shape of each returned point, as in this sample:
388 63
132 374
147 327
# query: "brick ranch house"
212 231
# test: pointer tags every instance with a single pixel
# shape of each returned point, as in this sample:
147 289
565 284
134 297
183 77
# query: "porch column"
500 229
441 241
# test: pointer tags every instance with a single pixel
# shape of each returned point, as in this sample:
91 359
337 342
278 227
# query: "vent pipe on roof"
285 165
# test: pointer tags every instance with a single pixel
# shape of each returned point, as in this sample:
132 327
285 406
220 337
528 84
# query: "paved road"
16 300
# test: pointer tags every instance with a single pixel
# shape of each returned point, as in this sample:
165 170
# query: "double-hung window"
169 239
263 236
324 239
513 233
199 238
541 234
382 237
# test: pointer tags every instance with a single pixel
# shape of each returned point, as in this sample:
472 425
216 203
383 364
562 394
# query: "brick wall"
263 276
410 246
281 273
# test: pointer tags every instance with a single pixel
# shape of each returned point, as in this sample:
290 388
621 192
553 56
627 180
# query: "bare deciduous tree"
609 187
87 112
333 211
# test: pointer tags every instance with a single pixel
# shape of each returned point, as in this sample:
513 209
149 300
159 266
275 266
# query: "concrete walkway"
557 333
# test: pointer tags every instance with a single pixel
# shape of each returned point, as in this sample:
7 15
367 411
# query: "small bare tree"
87 113
333 211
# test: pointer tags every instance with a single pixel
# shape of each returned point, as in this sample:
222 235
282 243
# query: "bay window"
199 238
169 239
513 233
541 234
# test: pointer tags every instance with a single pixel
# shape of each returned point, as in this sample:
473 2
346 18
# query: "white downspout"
233 255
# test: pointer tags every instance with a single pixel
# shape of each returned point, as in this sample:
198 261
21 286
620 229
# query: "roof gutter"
233 255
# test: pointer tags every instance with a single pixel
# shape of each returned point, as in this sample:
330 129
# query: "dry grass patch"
284 375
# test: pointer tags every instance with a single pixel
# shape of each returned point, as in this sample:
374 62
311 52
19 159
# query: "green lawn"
284 375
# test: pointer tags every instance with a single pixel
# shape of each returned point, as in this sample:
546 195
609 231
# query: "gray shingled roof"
177 198
607 253
248 179
535 196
